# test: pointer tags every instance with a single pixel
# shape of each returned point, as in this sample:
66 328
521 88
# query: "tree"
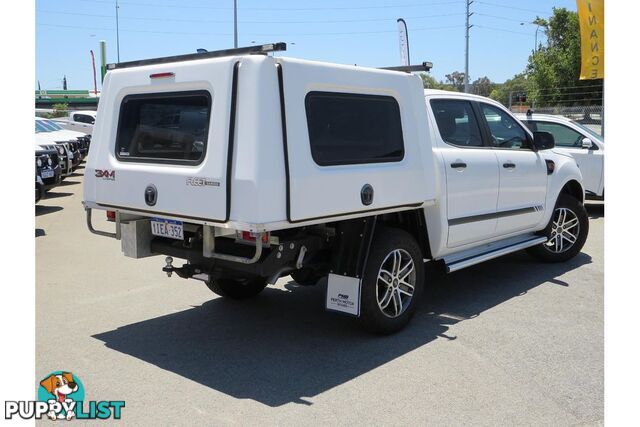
456 80
482 86
429 82
554 70
518 84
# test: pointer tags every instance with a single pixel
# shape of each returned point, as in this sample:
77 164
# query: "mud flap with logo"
349 259
343 294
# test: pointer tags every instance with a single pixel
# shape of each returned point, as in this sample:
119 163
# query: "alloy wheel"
395 283
565 229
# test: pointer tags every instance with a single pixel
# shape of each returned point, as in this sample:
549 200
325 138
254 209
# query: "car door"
523 172
471 172
569 140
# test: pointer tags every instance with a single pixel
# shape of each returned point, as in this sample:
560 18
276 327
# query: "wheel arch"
354 237
573 188
413 222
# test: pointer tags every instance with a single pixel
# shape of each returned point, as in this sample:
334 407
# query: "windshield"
589 131
40 127
53 125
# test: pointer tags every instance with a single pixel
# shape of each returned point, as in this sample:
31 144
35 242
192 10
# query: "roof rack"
425 66
259 49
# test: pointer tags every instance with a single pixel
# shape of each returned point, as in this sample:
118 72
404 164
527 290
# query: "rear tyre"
567 231
392 283
237 289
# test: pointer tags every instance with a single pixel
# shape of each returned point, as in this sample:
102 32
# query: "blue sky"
352 32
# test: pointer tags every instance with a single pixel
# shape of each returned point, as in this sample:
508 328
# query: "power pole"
466 50
117 31
235 23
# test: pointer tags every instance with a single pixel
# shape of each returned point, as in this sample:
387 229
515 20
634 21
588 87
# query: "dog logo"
65 390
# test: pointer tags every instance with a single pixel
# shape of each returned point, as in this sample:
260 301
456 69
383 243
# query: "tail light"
250 237
111 215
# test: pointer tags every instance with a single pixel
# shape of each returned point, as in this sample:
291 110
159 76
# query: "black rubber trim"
412 205
285 145
158 213
495 215
232 136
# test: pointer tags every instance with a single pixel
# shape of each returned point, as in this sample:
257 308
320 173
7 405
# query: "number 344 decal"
106 174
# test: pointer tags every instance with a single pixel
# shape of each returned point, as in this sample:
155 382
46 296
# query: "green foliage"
554 70
60 110
519 83
455 80
482 86
429 82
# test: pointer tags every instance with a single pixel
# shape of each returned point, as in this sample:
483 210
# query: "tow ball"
169 267
187 271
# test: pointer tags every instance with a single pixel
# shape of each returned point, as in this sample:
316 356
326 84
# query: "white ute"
252 167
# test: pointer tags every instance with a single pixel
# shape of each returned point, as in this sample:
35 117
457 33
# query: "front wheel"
237 289
392 282
567 231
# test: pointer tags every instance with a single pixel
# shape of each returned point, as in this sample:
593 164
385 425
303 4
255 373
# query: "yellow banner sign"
591 17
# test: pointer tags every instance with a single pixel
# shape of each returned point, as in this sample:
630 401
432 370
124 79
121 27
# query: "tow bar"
187 271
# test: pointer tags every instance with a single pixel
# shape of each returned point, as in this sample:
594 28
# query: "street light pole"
466 50
235 23
117 31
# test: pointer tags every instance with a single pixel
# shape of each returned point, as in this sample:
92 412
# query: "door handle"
509 165
458 165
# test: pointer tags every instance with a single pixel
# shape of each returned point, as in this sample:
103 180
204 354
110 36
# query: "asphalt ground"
508 342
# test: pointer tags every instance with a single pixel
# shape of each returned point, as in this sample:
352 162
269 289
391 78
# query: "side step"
474 256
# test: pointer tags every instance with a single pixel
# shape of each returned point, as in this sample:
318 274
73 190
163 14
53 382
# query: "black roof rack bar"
258 49
425 66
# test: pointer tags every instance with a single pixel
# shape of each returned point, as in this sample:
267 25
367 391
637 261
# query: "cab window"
457 123
504 130
563 135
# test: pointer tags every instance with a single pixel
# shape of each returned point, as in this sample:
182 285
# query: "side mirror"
543 141
587 143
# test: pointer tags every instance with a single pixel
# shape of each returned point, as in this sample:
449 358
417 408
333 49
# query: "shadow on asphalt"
68 182
55 195
282 347
44 210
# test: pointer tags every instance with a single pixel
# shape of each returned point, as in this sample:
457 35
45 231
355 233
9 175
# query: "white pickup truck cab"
79 121
582 143
252 167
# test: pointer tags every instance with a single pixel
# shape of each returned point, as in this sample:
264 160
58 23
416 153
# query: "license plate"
47 173
167 228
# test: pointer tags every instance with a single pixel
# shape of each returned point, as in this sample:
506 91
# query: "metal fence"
591 116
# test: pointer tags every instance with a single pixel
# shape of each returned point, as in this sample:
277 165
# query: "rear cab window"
347 128
164 127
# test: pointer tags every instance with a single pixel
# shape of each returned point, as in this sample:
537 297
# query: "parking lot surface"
508 342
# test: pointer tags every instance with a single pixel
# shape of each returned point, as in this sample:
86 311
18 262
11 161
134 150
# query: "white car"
76 143
253 167
581 142
80 121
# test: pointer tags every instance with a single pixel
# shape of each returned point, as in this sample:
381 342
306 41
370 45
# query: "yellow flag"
591 17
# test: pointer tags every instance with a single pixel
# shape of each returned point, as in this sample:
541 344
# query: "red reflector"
251 237
111 215
161 75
